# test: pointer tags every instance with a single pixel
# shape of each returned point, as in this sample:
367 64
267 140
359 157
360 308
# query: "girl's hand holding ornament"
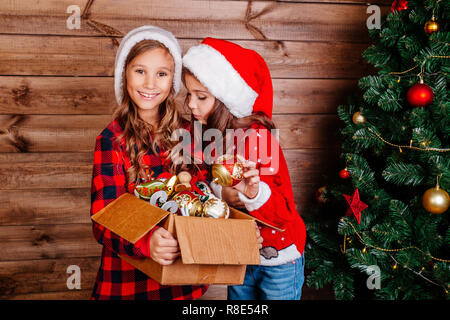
249 186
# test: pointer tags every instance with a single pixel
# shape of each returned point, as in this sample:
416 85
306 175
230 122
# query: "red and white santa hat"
236 76
137 35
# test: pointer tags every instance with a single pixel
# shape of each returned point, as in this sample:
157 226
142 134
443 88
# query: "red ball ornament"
399 5
344 174
420 95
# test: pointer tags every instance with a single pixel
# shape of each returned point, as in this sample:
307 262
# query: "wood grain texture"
93 56
77 133
299 21
378 2
95 95
47 279
48 242
62 295
45 206
31 277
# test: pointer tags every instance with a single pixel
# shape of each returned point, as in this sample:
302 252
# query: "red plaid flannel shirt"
117 279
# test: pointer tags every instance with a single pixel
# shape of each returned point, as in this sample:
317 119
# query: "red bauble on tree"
399 5
344 174
420 95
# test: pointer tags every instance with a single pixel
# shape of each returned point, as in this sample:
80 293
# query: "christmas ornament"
203 186
227 171
216 208
203 191
399 5
358 118
436 200
146 174
320 198
184 178
431 26
158 198
170 185
164 176
344 174
420 95
146 189
356 206
170 206
188 203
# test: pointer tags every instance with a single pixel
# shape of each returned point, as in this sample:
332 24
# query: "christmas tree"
380 229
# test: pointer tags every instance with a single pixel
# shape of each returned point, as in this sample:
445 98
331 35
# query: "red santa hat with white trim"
236 76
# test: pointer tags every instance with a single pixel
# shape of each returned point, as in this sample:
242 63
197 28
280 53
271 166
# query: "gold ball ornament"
188 203
436 200
216 208
227 171
358 118
431 26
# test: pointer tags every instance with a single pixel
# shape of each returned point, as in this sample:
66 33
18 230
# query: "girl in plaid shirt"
146 79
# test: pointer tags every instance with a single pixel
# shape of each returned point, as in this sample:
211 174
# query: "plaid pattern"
117 279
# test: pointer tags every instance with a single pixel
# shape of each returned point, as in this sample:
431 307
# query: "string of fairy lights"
410 146
368 245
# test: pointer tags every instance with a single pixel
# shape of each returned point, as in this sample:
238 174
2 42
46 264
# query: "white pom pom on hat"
137 35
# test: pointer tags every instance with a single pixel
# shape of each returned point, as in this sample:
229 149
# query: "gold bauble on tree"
431 26
359 118
436 200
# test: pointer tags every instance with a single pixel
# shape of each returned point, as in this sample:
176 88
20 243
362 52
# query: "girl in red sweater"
229 87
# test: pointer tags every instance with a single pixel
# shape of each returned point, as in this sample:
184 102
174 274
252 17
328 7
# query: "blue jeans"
283 282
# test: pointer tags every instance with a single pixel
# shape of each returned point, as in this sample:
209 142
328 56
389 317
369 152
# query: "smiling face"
200 100
149 81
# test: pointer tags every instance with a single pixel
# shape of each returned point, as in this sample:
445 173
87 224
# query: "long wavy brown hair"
140 136
222 119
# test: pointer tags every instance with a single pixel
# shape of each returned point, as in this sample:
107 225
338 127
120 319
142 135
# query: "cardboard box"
213 251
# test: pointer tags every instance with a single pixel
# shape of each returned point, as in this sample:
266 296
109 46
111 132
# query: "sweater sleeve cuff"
260 199
216 189
143 244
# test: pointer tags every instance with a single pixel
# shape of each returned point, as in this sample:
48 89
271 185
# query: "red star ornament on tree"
399 5
356 206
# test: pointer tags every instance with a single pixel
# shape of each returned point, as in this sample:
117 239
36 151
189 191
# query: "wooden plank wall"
56 95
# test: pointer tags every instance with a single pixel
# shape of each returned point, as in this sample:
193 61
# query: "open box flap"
129 217
241 215
217 241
